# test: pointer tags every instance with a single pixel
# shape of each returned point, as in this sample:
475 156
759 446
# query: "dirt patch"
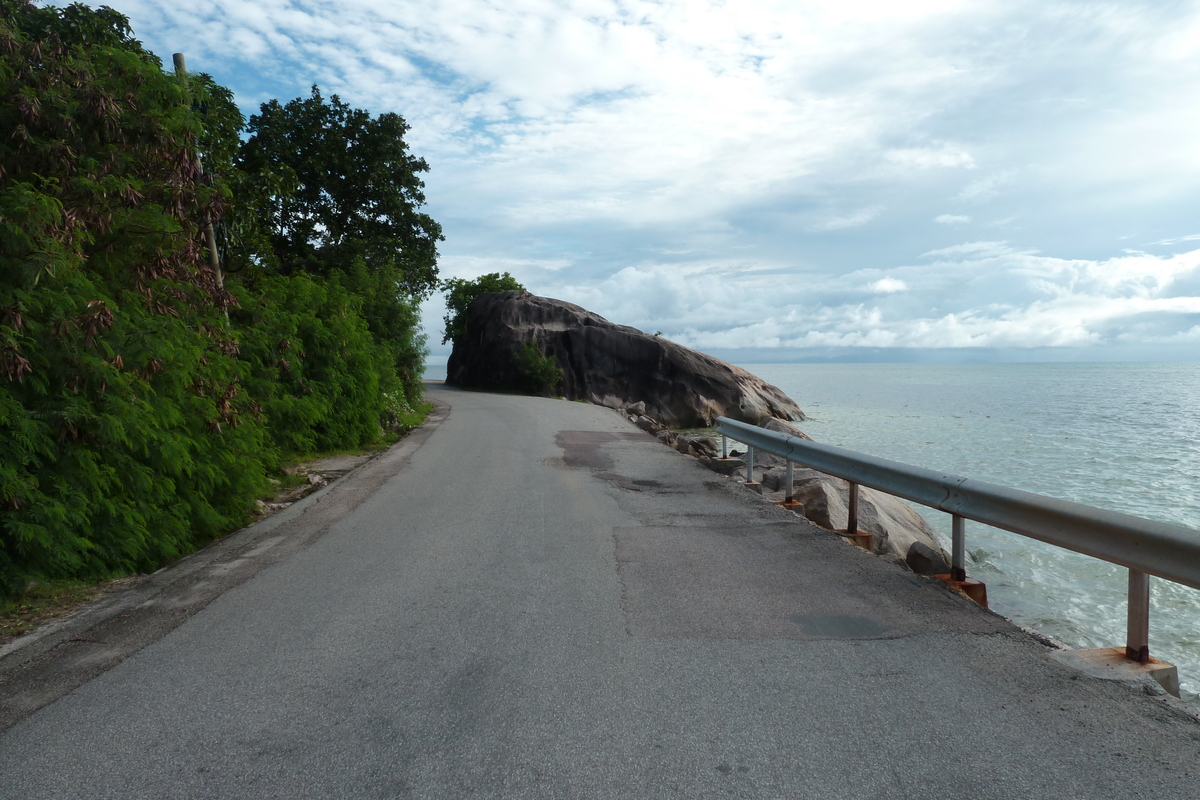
46 602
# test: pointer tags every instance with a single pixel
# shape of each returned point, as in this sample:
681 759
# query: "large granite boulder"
895 526
825 500
612 365
767 460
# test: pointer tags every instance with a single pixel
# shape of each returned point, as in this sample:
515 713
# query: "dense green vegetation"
145 398
540 373
460 292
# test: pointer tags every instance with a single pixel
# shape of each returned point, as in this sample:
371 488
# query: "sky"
772 181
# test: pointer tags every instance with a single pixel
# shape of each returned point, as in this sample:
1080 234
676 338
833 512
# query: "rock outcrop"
607 364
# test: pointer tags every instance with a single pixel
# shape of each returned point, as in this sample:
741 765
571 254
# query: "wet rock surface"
608 364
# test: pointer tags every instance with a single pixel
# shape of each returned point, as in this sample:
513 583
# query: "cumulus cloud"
888 286
1051 302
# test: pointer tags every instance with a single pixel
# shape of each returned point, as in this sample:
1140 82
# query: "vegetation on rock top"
461 292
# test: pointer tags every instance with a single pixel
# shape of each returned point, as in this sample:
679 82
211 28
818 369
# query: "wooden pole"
210 234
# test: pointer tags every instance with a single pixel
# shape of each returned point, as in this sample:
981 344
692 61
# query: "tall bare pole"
210 234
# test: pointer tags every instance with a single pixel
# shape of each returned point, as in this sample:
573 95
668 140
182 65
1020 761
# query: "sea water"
1124 437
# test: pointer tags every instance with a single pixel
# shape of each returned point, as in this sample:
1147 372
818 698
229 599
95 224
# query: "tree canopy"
344 186
460 292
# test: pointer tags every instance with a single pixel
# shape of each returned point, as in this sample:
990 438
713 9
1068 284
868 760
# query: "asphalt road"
536 600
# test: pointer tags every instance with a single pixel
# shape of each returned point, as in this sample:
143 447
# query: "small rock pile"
312 482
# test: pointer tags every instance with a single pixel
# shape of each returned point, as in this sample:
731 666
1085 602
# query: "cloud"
888 286
841 222
987 296
682 165
931 157
985 188
1189 238
521 268
971 249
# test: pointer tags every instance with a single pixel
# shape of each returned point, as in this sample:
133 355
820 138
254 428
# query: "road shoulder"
38 668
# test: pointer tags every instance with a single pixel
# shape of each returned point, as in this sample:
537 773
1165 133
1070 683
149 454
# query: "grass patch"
410 421
289 478
405 423
45 601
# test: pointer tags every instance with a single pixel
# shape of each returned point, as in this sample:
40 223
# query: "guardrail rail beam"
1145 547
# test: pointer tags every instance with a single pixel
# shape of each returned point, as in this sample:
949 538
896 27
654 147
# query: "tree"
459 294
326 190
124 437
341 185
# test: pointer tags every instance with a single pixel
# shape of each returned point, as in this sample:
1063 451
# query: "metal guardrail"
1144 546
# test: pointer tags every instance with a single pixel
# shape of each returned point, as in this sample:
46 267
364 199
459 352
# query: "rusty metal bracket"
976 590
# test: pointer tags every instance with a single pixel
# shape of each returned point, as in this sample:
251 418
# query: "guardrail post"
724 446
852 514
788 497
958 564
1137 639
749 464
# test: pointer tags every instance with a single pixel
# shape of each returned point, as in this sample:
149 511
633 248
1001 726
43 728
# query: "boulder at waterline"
925 560
896 527
767 460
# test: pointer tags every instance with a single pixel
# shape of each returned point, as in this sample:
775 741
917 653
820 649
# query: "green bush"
314 367
125 438
540 374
